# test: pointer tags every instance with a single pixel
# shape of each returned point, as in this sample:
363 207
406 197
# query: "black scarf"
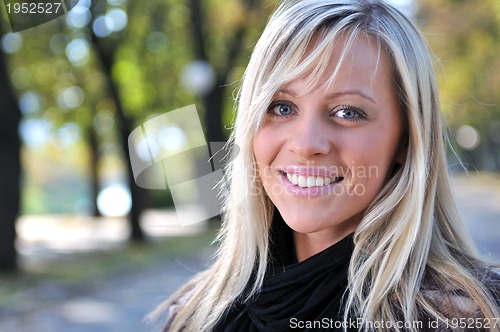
295 295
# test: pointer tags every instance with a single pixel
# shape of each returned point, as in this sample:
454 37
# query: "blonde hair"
411 233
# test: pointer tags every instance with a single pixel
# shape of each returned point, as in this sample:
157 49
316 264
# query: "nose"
310 138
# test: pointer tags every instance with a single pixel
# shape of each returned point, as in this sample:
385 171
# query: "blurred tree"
106 52
205 28
127 60
93 140
10 167
140 73
465 35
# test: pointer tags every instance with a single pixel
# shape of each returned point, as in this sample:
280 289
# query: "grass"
72 271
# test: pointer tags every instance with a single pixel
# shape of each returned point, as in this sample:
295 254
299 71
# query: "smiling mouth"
311 181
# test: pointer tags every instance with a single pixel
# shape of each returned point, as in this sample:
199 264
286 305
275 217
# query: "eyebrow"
332 95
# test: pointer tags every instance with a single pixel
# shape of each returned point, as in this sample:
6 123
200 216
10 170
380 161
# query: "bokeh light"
198 77
35 132
114 201
147 150
30 102
101 26
468 137
78 52
103 122
69 134
115 20
78 17
172 138
70 98
118 19
11 42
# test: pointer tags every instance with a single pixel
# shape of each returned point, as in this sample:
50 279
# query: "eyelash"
276 104
359 113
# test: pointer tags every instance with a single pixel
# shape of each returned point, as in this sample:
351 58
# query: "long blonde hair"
411 232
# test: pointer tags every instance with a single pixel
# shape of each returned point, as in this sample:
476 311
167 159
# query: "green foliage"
158 42
465 36
148 58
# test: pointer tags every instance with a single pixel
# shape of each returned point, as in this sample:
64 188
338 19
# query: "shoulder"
454 305
491 280
455 301
176 305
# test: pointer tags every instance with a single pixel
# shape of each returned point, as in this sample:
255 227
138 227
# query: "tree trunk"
214 104
214 101
136 193
125 128
10 167
94 175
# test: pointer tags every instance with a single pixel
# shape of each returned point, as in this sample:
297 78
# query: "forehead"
353 61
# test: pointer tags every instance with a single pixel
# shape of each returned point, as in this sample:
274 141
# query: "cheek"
372 158
265 147
263 156
259 149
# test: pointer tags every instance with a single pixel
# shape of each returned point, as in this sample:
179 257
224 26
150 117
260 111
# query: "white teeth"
320 181
302 181
309 181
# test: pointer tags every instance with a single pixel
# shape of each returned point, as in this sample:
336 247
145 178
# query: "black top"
308 296
304 296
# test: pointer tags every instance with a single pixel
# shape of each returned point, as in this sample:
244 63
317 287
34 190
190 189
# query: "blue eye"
350 113
280 109
284 110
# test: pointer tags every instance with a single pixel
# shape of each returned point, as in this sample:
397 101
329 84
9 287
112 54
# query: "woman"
339 213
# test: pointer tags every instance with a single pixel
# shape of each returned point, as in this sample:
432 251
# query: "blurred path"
478 201
116 304
120 304
48 237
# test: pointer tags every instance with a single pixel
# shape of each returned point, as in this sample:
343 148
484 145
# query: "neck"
309 244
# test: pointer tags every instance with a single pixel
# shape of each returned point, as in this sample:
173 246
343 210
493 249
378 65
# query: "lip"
307 192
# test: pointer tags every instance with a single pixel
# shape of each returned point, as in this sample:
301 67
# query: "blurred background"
82 247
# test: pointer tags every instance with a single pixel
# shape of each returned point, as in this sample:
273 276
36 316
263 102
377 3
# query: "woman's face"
323 156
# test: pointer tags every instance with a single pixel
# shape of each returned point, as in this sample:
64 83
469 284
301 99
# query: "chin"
307 222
